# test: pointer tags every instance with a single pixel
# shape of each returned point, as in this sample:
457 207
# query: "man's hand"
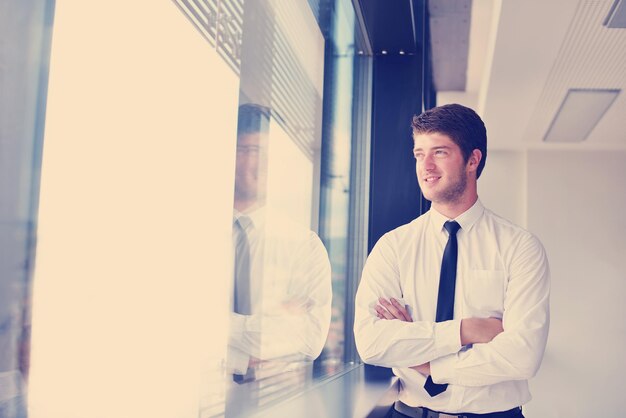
479 330
391 309
473 330
298 305
422 368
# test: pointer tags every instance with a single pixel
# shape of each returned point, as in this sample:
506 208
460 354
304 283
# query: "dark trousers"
517 414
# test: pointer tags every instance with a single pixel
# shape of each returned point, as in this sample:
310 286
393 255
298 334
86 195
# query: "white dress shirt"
291 294
502 272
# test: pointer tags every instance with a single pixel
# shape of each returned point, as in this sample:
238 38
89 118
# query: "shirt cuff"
237 326
237 361
447 337
442 369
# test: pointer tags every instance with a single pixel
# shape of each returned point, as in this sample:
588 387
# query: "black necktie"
445 298
242 303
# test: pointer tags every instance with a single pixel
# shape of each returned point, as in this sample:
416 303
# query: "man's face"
441 171
251 167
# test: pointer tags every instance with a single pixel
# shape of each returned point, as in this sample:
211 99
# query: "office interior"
119 155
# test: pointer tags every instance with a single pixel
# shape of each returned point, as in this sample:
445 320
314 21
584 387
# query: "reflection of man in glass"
251 166
282 285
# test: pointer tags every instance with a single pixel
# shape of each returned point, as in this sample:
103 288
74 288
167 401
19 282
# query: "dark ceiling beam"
390 25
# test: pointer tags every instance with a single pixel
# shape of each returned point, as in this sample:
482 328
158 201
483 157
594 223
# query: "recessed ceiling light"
579 113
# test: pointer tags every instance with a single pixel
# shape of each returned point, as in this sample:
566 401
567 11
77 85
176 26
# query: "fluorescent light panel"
579 113
617 15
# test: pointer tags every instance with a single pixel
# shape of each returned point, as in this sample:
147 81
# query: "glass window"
203 205
24 47
130 296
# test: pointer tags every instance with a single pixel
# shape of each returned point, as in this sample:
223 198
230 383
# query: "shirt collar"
256 215
467 219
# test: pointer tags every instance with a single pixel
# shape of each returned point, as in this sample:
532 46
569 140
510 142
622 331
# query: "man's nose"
428 163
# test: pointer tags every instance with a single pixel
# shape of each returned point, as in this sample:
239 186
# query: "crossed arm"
302 306
502 350
473 330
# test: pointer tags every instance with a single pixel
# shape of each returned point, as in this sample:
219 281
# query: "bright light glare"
131 283
289 177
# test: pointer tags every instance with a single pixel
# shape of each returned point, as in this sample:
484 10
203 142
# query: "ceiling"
524 55
391 26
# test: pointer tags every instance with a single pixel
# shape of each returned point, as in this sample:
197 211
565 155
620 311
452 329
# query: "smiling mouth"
431 179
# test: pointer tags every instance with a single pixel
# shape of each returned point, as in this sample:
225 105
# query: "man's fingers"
402 309
383 313
390 308
393 310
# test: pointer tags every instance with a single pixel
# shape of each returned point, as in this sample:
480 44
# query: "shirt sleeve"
298 326
516 353
395 343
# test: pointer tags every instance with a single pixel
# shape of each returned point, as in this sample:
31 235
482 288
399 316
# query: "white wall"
502 185
576 205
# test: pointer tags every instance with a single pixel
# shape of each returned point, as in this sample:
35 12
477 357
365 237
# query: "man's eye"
247 149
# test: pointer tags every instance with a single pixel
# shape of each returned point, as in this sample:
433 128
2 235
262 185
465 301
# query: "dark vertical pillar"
394 192
402 87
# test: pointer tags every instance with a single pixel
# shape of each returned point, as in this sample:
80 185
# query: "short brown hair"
460 123
252 118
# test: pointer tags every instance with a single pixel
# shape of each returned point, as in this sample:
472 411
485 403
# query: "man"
456 301
282 284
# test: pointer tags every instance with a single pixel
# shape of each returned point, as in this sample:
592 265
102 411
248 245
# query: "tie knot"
243 221
452 227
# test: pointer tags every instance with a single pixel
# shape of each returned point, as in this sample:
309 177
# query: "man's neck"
247 205
452 210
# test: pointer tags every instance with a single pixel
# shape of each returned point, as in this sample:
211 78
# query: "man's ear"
474 160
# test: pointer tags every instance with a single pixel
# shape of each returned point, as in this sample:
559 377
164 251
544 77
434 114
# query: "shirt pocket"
485 292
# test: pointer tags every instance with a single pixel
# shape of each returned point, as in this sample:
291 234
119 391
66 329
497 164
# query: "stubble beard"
453 192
